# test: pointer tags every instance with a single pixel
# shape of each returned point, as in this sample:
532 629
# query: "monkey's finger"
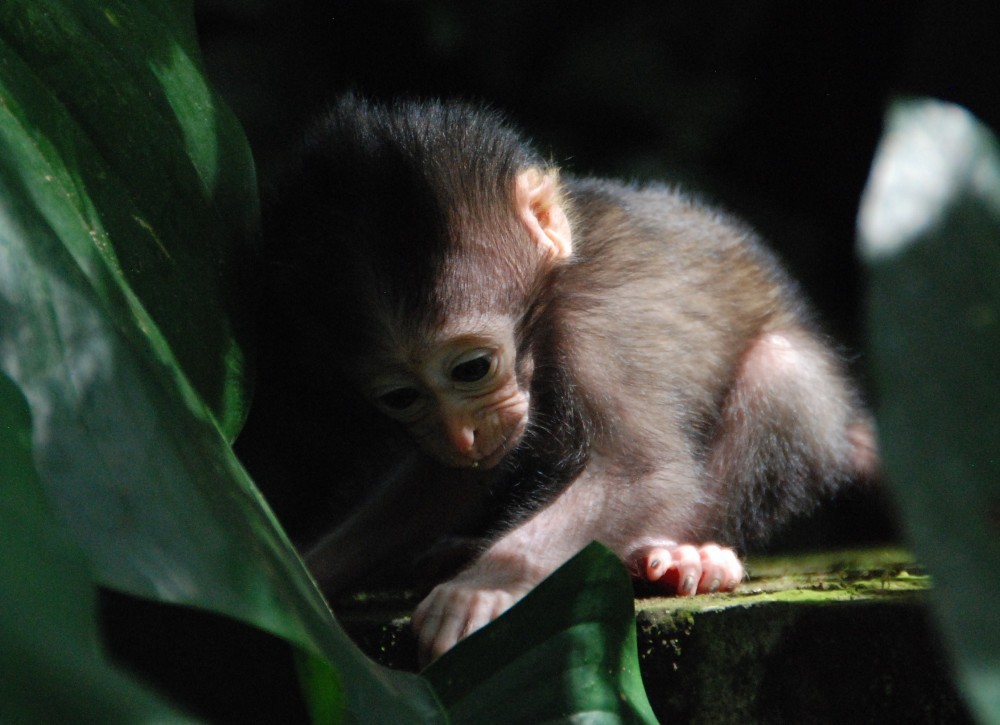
650 562
655 563
452 612
712 572
430 623
439 633
426 636
685 570
426 631
452 626
488 606
721 569
734 569
421 612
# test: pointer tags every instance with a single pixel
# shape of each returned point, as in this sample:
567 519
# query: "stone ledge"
834 637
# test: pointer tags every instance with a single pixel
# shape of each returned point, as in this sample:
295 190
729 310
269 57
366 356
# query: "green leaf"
126 201
153 168
566 652
50 654
929 229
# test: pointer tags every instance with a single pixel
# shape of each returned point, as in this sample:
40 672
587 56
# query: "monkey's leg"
791 431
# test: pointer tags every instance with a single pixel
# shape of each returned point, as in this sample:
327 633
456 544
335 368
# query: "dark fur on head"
413 195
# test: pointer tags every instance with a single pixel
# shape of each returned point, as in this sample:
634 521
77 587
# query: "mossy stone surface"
831 637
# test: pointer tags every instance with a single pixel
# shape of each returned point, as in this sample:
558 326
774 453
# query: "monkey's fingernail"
714 586
654 564
687 587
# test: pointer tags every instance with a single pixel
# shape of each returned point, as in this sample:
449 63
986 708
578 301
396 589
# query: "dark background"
771 110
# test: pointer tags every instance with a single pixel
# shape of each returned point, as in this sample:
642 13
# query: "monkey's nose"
462 438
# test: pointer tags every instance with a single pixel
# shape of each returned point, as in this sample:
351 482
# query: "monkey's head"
438 231
455 371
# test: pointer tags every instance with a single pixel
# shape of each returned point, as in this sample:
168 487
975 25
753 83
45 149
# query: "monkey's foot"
686 570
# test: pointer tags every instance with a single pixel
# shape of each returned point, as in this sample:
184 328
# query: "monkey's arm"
403 514
584 512
507 571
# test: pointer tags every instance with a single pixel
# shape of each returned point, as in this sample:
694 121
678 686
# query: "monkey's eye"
474 370
399 399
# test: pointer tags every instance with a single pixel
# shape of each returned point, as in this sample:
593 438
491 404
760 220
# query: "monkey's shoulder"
661 227
678 259
660 212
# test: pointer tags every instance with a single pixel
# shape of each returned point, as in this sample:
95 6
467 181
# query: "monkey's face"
458 395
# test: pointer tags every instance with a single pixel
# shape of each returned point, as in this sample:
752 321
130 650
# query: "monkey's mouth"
493 458
506 446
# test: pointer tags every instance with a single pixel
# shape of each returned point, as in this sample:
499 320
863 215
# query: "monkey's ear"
539 208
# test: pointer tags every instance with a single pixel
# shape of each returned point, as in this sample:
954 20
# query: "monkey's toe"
686 570
721 569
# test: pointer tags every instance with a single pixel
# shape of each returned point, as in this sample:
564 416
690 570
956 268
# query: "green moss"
840 633
820 578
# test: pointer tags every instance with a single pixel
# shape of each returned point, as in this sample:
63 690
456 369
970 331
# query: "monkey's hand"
457 608
686 570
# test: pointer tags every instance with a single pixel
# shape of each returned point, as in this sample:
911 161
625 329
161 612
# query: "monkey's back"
672 292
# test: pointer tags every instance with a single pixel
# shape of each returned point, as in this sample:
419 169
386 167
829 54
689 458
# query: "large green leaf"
930 232
50 652
126 198
566 652
157 172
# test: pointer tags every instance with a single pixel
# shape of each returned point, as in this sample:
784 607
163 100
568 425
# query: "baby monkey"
594 360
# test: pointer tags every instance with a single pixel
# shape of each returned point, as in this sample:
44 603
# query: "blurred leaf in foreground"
127 201
929 230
